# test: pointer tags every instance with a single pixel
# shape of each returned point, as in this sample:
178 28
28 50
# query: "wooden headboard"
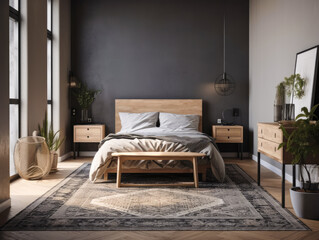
178 106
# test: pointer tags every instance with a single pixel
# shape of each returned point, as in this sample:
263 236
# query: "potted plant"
294 88
85 97
303 143
53 141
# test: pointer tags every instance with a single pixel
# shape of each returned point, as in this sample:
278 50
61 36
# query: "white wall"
278 30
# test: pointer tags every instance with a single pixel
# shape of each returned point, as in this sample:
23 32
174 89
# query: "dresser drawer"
270 149
270 132
88 133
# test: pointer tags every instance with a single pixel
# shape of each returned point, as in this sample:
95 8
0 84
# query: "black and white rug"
77 204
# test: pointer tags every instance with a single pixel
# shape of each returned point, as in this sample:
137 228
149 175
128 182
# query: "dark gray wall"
161 49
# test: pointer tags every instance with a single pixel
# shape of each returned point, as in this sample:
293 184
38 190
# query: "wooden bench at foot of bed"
190 156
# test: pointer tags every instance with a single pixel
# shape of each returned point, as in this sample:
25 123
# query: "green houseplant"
303 143
85 97
53 140
294 88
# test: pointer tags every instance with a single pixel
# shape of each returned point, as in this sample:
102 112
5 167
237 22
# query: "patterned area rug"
77 204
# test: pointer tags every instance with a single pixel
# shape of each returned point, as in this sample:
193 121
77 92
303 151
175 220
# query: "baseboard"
82 154
65 156
87 153
234 154
5 205
275 170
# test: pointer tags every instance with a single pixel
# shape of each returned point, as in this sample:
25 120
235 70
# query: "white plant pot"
305 204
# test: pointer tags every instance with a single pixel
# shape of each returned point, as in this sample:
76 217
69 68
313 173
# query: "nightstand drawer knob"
88 136
88 129
228 137
228 129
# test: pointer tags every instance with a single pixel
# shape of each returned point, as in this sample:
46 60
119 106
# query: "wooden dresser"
90 133
270 136
229 134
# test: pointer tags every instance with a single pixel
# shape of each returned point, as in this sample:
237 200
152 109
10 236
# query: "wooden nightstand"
229 134
90 133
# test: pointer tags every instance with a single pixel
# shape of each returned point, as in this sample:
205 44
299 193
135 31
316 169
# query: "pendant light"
224 83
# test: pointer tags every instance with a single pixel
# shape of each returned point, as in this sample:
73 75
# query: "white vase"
54 159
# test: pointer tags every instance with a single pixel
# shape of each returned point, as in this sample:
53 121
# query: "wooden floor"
24 192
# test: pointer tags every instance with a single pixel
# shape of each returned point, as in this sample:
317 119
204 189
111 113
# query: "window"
49 61
14 77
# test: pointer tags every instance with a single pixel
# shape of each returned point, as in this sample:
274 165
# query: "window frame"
15 15
50 38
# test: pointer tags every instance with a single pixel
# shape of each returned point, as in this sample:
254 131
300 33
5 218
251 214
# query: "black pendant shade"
224 84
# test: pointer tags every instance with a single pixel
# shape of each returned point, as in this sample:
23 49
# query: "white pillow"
136 121
178 122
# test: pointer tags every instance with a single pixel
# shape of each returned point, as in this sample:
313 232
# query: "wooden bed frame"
178 106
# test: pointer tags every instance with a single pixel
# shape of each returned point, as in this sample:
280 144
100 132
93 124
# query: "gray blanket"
190 142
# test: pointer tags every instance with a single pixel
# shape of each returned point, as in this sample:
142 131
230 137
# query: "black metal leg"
241 149
258 168
294 175
238 150
74 144
283 185
78 150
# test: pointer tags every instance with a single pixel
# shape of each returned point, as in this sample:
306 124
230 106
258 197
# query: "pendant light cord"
224 43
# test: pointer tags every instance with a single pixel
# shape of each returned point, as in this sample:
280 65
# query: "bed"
159 138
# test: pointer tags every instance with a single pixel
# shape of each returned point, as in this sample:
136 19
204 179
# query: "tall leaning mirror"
307 66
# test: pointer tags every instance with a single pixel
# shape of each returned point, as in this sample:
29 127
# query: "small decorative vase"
54 159
32 157
84 115
289 112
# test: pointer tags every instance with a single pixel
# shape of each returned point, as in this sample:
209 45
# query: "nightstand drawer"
229 139
228 132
